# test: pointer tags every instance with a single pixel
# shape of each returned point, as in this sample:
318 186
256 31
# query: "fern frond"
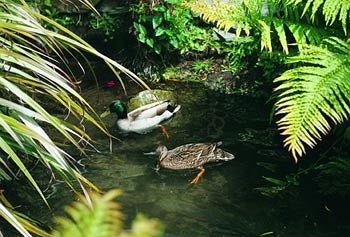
313 96
332 10
100 216
268 17
144 227
224 15
100 219
265 36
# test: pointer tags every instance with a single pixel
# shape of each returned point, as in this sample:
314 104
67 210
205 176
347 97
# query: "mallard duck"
193 155
144 118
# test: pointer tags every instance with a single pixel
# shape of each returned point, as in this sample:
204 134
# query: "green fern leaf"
265 36
279 27
100 218
332 10
314 96
265 16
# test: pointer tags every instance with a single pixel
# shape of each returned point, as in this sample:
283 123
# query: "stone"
73 6
149 96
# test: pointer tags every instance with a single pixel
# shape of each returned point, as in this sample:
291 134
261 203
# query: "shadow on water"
224 203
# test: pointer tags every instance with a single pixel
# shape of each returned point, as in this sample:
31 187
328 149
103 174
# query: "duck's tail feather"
227 156
177 109
173 108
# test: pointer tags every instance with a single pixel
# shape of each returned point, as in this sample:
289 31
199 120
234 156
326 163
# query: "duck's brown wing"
194 153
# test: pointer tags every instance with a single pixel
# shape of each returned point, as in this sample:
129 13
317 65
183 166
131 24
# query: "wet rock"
73 6
149 96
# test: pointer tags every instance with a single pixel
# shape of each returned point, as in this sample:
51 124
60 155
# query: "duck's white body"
146 118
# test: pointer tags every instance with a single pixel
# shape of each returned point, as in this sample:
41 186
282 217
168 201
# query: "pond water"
225 202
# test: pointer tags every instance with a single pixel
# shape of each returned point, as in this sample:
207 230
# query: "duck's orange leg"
199 175
165 132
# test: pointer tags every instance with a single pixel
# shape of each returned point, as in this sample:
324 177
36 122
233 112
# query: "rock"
113 7
223 35
73 6
149 96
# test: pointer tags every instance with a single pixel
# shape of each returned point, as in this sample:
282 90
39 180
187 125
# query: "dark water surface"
225 202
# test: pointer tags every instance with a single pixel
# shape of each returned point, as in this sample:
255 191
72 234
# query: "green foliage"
22 223
34 70
202 66
241 52
47 8
333 177
177 73
271 18
166 26
101 217
311 97
106 22
278 187
331 9
272 64
315 94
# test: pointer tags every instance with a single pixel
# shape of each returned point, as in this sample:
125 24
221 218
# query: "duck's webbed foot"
199 175
165 132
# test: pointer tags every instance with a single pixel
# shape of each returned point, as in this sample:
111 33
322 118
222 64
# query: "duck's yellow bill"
105 114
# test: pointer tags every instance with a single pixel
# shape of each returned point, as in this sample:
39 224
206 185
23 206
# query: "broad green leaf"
157 19
159 8
159 31
150 42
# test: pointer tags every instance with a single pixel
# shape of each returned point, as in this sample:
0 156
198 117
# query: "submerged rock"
149 96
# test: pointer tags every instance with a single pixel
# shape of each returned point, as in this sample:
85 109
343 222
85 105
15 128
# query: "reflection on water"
224 203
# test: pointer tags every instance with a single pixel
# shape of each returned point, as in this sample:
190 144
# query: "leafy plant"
278 187
202 66
34 68
101 217
314 96
166 26
271 18
241 52
106 22
332 10
333 177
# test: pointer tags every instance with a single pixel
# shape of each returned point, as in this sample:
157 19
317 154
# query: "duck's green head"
119 108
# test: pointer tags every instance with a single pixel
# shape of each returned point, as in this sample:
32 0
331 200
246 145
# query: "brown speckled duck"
190 156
